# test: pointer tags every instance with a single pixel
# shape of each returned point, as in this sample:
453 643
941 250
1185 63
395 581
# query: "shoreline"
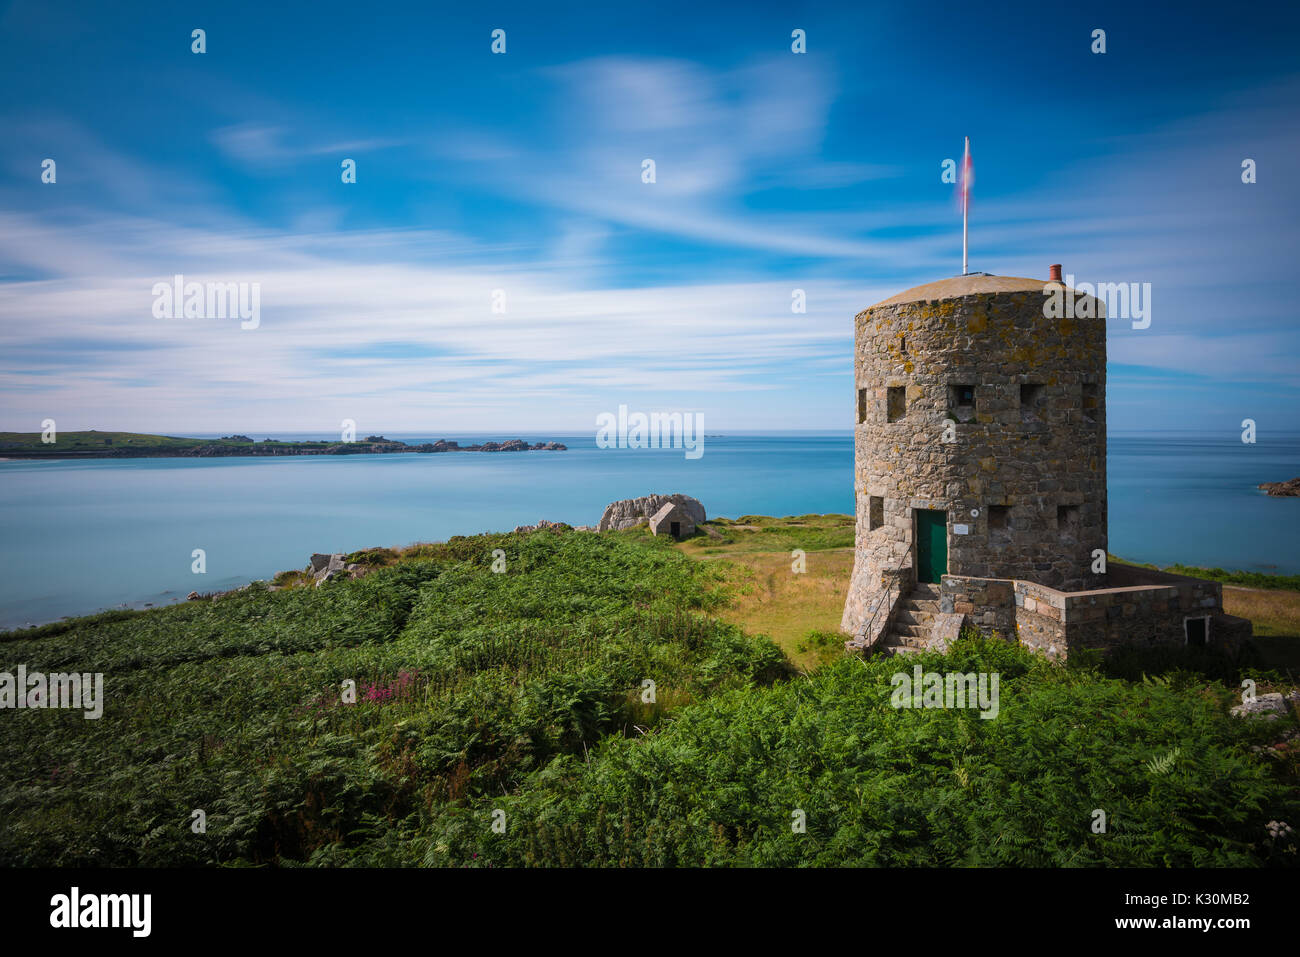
165 599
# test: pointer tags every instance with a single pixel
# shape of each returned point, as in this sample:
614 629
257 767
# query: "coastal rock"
544 524
631 512
334 574
1289 487
1269 706
329 567
192 596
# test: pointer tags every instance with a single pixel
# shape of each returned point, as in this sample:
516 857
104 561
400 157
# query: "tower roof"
971 285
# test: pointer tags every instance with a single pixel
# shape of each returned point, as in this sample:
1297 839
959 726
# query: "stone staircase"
909 632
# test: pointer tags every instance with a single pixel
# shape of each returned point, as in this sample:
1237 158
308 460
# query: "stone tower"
980 445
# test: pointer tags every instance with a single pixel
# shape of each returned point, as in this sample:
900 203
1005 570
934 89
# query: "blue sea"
87 535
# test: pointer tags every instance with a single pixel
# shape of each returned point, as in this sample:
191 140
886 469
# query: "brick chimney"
1056 272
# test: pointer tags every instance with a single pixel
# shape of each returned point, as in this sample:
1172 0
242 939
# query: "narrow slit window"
1067 517
877 512
1090 405
1031 394
862 406
999 522
896 403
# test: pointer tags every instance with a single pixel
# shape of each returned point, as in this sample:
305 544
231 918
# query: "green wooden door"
931 545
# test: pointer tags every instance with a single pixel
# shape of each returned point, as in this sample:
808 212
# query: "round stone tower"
980 446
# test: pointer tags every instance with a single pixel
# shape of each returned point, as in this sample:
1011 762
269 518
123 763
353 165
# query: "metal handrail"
888 602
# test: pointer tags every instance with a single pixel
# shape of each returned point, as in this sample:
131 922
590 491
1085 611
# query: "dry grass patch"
1276 616
1275 613
800 612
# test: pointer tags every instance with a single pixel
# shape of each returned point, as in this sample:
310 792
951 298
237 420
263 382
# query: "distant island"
125 445
1289 487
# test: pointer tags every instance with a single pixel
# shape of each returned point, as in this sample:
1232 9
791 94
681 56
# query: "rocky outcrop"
1289 487
1268 706
509 445
328 568
631 512
556 527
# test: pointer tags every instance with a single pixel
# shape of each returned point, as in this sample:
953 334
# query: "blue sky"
522 172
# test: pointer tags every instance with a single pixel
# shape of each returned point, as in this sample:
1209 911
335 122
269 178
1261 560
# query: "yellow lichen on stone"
1032 442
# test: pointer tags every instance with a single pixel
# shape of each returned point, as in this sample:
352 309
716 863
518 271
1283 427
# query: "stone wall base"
1143 609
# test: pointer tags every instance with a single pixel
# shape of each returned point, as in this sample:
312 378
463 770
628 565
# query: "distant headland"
124 445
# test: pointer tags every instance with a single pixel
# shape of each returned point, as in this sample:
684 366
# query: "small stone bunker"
672 519
1140 608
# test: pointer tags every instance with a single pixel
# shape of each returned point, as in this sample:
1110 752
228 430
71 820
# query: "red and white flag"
967 178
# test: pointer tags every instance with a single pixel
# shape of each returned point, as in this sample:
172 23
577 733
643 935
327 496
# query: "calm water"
81 536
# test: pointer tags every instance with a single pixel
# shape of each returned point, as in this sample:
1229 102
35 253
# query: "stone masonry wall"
1041 463
987 603
870 606
1145 608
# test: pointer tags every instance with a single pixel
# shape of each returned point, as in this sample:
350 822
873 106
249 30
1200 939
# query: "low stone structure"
672 519
1142 608
631 512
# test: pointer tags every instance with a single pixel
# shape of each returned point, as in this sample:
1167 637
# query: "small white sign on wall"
961 529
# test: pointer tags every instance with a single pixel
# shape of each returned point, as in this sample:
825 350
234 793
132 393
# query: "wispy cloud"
260 146
676 292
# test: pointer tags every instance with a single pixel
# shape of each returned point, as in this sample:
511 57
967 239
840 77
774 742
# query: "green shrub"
467 681
526 691
885 787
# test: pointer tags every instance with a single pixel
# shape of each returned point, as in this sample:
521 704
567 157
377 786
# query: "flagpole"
965 203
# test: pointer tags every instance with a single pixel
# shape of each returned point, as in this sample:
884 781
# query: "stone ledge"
945 629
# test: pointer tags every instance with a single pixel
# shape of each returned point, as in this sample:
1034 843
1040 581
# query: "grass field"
1276 617
801 612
